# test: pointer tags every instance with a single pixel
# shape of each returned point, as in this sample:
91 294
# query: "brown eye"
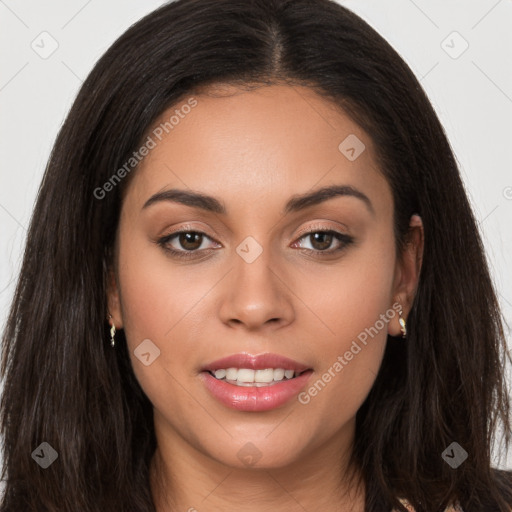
187 244
321 240
324 242
190 241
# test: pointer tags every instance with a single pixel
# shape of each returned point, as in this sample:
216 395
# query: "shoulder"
454 508
503 481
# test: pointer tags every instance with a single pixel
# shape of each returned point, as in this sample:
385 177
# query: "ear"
407 272
113 301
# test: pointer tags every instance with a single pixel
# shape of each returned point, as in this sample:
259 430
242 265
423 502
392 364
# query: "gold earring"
112 332
401 321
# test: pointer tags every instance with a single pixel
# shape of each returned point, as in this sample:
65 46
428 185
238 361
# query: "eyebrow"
296 203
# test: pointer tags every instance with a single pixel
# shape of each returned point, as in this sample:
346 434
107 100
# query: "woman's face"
261 278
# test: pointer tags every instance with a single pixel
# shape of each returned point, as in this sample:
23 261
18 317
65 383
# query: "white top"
454 508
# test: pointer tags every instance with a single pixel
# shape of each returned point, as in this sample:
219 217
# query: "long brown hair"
63 385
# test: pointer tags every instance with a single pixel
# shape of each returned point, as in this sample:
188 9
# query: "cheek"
346 297
156 295
158 303
352 305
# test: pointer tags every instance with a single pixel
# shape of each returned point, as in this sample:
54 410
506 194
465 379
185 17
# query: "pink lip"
248 398
259 362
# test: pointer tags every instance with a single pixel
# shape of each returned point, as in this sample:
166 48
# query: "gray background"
470 88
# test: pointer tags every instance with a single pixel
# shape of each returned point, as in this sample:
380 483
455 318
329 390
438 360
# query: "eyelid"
305 231
343 238
186 228
320 227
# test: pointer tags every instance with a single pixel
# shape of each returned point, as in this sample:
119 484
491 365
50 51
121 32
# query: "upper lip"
255 362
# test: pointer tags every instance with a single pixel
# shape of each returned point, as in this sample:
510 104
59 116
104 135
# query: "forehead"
274 140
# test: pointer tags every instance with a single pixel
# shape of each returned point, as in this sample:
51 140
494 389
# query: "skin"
254 150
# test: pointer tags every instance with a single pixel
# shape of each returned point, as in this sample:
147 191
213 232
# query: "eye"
321 241
184 243
188 243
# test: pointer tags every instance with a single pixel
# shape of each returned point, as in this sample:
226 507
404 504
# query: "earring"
112 332
401 321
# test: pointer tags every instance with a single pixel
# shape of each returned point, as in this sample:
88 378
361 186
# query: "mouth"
255 383
255 378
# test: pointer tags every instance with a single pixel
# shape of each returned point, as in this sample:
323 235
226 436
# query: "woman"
246 283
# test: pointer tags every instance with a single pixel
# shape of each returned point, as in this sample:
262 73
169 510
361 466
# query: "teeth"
220 374
246 376
278 374
267 375
231 373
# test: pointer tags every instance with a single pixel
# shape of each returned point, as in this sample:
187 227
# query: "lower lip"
249 398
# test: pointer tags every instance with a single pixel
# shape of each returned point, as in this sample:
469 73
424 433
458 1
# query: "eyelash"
344 239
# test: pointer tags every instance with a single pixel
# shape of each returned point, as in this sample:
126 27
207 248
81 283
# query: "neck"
186 480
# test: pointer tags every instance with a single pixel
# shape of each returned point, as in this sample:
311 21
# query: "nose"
257 295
